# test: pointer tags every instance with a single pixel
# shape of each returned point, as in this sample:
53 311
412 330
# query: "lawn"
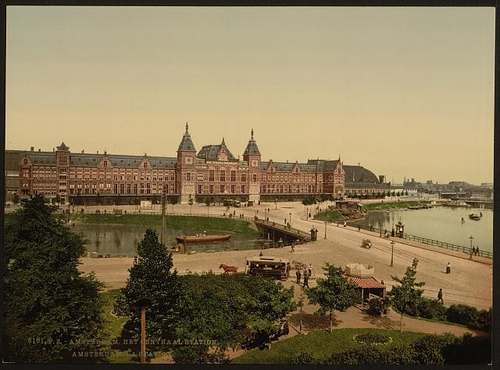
187 224
330 215
393 205
113 327
321 344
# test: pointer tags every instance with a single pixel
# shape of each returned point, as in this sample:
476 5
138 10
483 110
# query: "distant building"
212 172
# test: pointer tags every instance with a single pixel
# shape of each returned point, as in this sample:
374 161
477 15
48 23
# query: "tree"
227 311
407 295
52 311
151 279
333 293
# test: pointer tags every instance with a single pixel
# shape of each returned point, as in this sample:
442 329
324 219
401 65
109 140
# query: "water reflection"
122 240
439 223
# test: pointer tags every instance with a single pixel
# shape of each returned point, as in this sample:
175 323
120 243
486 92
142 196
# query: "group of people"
304 275
474 251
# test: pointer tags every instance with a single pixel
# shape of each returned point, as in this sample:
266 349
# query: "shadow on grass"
312 321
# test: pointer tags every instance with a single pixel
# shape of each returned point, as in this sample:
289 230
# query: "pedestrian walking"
298 274
293 247
440 296
448 268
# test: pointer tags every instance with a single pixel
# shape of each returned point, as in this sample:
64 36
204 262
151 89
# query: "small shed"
362 276
367 286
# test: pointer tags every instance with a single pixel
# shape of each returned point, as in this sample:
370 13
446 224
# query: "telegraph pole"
392 253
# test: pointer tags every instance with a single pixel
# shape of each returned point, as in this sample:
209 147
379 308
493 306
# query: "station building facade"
192 176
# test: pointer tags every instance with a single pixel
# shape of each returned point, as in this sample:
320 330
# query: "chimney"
97 152
39 149
32 148
381 179
83 151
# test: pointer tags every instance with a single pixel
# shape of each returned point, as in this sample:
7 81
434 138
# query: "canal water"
122 240
439 223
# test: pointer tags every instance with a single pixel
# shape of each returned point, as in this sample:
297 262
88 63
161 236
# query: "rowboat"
474 217
202 238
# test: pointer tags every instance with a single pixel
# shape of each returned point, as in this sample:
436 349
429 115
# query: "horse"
228 268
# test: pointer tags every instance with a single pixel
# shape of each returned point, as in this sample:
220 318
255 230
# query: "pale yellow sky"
403 91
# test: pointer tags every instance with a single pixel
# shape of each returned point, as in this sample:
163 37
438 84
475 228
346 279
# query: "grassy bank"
393 205
321 344
113 327
187 224
330 215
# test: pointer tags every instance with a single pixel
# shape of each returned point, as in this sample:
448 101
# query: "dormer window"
105 163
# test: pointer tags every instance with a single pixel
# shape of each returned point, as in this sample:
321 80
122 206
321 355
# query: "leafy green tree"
53 313
152 280
406 296
222 311
333 293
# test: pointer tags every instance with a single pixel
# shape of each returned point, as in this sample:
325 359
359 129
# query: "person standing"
448 268
306 279
297 273
309 270
440 296
293 247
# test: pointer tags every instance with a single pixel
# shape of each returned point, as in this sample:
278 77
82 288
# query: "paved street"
470 282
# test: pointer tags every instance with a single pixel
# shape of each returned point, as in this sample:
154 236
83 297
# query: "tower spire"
187 127
251 134
223 143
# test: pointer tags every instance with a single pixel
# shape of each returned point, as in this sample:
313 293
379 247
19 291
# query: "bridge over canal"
275 231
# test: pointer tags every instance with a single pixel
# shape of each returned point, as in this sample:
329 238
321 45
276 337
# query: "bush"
376 306
429 349
431 309
308 200
363 355
469 350
401 354
462 314
483 321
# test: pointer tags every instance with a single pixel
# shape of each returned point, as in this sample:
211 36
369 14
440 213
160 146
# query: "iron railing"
432 242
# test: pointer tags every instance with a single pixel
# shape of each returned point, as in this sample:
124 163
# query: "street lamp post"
326 222
392 253
470 238
290 222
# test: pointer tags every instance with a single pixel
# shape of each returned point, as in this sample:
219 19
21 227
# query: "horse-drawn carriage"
277 268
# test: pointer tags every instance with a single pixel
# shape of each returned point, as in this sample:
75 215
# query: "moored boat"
474 217
202 238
